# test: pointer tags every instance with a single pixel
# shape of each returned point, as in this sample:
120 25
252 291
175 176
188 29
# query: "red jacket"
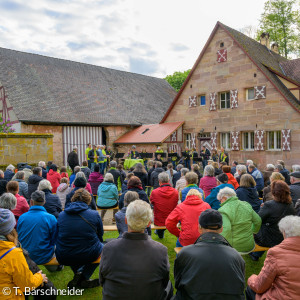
22 206
232 180
207 183
54 178
164 199
187 213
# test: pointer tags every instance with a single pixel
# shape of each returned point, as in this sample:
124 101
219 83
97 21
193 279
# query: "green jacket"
240 222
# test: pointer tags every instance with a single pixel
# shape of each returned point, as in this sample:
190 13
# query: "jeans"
204 163
89 164
92 166
178 243
104 166
101 164
187 163
86 270
174 164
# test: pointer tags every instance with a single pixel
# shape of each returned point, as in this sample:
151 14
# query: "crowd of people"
216 216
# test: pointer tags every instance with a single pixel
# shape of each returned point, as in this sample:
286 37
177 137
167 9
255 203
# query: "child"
64 173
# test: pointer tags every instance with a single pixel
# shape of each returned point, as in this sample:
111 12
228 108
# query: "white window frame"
188 140
227 144
250 140
247 94
227 101
276 140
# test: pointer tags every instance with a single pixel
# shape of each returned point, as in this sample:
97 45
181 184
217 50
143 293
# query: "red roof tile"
151 133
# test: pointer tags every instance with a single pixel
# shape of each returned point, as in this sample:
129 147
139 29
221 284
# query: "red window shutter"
234 98
260 92
213 140
222 55
286 139
259 140
213 101
192 101
235 140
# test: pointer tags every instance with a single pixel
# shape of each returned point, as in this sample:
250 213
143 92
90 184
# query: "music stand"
149 155
197 159
172 155
143 155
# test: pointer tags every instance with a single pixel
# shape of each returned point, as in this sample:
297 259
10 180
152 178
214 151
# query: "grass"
60 279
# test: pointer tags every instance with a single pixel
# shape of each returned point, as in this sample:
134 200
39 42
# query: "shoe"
74 282
89 284
253 257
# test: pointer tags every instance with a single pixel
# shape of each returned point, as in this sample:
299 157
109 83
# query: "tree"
177 79
280 20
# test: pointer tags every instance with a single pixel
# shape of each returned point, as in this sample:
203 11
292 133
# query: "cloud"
143 66
10 5
179 47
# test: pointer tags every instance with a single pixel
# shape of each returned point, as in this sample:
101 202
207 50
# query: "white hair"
241 168
209 170
8 201
227 192
249 162
138 214
184 171
77 169
44 185
109 177
79 174
10 167
270 167
290 225
296 168
41 164
163 177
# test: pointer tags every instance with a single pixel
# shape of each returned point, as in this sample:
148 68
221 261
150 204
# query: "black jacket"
8 175
53 204
286 175
249 195
271 213
206 154
73 160
199 270
44 173
33 183
143 177
176 177
134 155
91 154
3 184
116 174
154 177
142 196
295 191
71 194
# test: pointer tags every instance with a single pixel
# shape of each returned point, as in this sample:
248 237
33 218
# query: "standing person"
93 157
87 150
54 177
215 156
105 157
205 154
174 158
73 159
101 158
197 267
154 175
187 158
224 156
110 155
34 180
140 172
3 183
295 186
134 266
208 182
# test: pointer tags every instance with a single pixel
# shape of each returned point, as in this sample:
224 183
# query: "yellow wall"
25 147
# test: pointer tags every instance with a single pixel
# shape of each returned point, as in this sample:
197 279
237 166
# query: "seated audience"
86 170
125 182
240 221
295 186
54 177
135 266
258 177
271 213
34 180
64 173
187 214
208 182
164 199
23 186
62 191
191 184
218 170
171 172
241 170
296 168
120 215
14 270
247 192
95 179
22 204
248 163
121 170
8 201
42 165
177 175
151 167
79 239
107 195
212 199
27 173
231 180
49 163
87 186
134 185
267 195
233 167
181 183
267 174
73 175
297 207
154 175
37 231
140 172
53 204
3 183
285 173
116 174
211 268
196 169
9 173
279 278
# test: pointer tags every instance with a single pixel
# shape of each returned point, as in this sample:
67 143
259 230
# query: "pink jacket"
207 183
279 277
22 206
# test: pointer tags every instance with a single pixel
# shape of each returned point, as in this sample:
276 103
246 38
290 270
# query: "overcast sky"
154 37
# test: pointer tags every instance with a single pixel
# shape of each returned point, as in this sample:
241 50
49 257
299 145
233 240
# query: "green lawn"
60 279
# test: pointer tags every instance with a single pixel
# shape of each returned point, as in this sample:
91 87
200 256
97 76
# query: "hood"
5 245
62 187
250 192
76 207
192 200
105 186
33 179
95 176
51 172
166 190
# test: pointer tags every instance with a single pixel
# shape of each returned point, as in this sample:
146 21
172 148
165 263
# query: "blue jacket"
71 194
44 173
107 194
259 179
23 188
212 200
8 175
124 186
79 240
189 187
72 178
37 232
142 196
53 204
120 221
249 195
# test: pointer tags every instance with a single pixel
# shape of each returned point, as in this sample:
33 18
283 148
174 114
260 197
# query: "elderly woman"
267 195
8 201
208 182
191 184
14 271
140 172
241 170
107 195
231 180
53 204
95 179
54 177
240 221
88 186
279 278
9 172
23 186
271 213
187 214
248 192
79 241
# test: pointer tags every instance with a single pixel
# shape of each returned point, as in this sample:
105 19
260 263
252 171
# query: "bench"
117 207
54 262
114 227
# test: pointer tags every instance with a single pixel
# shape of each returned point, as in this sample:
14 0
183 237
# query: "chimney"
265 39
274 48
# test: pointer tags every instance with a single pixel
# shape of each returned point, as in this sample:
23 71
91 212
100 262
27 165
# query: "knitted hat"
7 221
80 182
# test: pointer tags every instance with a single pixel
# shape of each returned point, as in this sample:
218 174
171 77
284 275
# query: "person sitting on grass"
135 266
95 179
14 271
79 240
187 214
211 268
279 278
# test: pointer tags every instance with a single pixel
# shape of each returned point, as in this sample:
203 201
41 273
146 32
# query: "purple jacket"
95 179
